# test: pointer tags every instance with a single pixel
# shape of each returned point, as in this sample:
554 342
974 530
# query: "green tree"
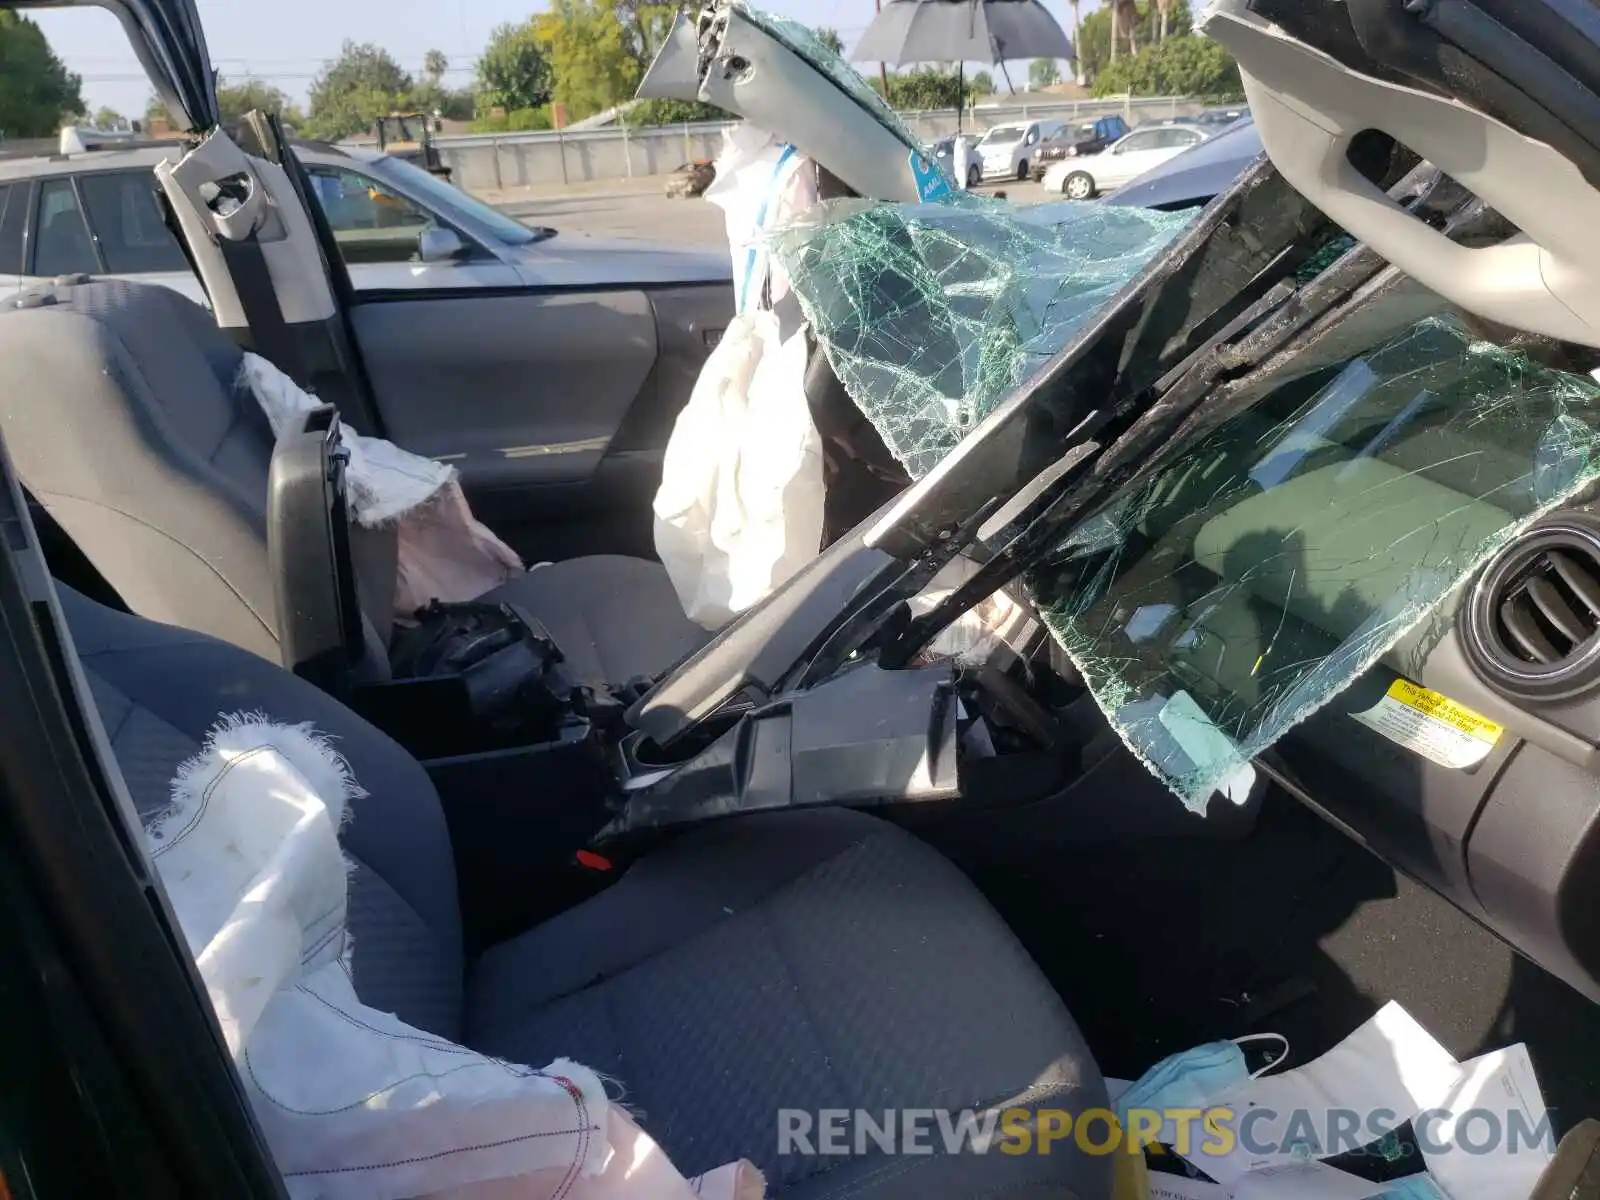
351 92
673 112
36 89
236 99
980 83
1094 33
645 25
518 120
593 65
434 65
1189 65
513 72
922 88
1042 72
108 118
831 39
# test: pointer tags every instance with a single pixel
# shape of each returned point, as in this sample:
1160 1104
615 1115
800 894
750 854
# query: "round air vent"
1531 624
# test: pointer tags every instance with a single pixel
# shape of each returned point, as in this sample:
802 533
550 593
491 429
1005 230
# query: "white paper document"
1303 1181
1497 1139
1382 1075
1175 1187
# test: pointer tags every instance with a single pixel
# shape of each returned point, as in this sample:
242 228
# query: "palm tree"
1124 18
1164 7
1077 30
434 65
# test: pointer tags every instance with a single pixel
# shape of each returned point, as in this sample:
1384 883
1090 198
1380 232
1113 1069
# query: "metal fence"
507 161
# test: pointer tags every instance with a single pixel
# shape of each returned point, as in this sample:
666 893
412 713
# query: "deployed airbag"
354 1103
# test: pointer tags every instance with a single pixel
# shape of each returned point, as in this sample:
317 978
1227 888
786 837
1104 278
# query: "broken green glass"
1229 596
931 314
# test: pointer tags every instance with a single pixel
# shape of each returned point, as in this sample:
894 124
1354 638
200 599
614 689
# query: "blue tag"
931 182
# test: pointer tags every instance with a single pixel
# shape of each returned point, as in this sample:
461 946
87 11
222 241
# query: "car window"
125 218
1004 133
1148 140
1171 139
62 245
13 221
370 222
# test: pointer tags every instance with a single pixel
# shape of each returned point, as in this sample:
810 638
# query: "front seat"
119 404
806 960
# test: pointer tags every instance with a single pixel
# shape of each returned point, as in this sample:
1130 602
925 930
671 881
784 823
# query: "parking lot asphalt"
650 214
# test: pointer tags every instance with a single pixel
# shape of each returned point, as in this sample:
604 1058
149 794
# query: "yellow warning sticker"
1432 725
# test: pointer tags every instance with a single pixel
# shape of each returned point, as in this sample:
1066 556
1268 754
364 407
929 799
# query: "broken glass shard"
1224 599
931 314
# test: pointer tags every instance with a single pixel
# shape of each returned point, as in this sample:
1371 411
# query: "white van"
1005 149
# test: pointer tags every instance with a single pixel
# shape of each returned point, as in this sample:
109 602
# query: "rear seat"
807 960
117 400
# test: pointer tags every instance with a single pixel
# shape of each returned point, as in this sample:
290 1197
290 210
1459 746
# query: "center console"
549 781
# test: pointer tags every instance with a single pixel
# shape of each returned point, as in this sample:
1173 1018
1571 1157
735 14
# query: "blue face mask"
1193 1078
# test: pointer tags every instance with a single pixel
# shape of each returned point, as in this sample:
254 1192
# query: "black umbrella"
961 31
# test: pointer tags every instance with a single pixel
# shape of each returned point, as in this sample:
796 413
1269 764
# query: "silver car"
398 229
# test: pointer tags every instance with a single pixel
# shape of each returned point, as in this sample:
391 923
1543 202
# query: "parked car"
1223 115
1075 140
1192 177
1124 160
95 213
944 154
1006 151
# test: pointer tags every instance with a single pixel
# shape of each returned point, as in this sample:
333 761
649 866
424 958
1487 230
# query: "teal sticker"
931 182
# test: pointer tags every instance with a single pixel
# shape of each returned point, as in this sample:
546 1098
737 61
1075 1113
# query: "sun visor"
1309 107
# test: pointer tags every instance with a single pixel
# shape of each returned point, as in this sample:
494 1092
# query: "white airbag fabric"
355 1104
444 552
740 507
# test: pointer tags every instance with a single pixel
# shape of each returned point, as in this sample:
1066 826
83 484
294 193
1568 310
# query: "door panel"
554 406
514 390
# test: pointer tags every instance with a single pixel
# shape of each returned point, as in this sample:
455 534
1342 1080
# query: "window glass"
453 204
371 223
13 220
123 212
61 242
1140 141
1221 600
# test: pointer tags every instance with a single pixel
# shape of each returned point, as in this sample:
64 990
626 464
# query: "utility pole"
883 71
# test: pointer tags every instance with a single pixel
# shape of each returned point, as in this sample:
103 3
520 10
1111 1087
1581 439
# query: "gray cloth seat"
811 960
118 403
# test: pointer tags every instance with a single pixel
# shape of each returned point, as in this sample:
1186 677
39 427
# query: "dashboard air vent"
1531 626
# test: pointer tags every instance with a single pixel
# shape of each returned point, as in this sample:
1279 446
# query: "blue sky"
287 41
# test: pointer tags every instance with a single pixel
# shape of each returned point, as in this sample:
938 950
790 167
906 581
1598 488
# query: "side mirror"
436 245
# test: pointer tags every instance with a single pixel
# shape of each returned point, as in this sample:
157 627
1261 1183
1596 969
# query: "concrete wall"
552 159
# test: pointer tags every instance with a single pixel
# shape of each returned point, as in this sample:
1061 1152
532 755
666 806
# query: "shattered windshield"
1212 605
1224 600
931 314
